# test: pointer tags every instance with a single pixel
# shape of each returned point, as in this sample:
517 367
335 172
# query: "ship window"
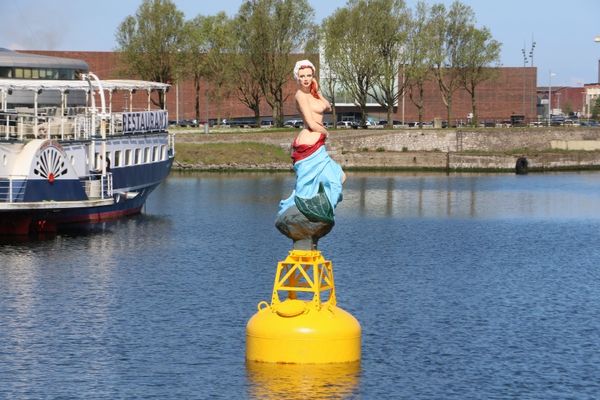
63 73
118 156
72 160
147 154
98 163
138 153
163 152
4 159
109 160
128 157
155 153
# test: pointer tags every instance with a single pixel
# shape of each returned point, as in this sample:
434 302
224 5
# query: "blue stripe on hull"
59 190
140 175
143 179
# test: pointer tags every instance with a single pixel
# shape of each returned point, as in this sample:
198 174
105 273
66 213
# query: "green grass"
227 153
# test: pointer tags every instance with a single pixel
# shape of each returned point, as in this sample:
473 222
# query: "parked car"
188 123
266 124
344 124
571 122
589 123
294 123
395 123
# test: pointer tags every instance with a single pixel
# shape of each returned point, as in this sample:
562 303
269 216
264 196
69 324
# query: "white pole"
62 114
403 91
549 97
35 113
597 40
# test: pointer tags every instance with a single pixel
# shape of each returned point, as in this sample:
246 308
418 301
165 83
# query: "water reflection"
301 382
404 195
475 293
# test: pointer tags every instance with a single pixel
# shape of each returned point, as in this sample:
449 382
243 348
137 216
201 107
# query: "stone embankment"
485 149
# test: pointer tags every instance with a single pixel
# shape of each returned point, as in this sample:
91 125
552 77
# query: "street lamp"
177 101
550 96
333 80
597 40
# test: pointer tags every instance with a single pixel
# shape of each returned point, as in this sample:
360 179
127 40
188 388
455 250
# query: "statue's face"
305 76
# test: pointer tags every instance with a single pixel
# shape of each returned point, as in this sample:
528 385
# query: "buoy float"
311 329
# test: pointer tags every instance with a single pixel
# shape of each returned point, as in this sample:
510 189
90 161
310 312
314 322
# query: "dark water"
466 287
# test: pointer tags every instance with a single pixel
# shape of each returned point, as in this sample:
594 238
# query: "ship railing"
77 123
12 189
98 186
171 139
22 124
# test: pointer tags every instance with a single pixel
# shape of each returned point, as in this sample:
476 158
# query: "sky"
565 53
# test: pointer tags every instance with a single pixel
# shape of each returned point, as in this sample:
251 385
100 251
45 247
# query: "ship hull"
53 219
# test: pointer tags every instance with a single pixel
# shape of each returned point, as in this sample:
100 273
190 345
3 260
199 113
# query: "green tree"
208 43
596 109
389 36
419 66
271 31
476 55
244 76
449 33
567 108
149 42
329 86
349 51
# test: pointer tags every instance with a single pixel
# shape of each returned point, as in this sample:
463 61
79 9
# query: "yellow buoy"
312 330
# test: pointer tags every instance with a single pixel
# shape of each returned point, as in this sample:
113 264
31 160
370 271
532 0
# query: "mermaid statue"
308 214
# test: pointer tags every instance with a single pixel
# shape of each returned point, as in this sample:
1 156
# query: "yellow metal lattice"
305 271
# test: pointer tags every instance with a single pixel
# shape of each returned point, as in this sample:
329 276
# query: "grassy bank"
192 155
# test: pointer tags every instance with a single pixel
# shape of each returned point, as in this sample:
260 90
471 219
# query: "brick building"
565 100
512 92
592 93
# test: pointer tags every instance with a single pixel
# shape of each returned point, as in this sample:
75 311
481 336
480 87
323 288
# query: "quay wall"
457 149
437 149
466 162
452 140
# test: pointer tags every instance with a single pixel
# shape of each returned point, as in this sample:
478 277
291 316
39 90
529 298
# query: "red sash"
301 151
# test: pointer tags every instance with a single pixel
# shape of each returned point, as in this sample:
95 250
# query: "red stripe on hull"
24 224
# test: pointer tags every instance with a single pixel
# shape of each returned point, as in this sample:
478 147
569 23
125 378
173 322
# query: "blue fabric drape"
310 172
